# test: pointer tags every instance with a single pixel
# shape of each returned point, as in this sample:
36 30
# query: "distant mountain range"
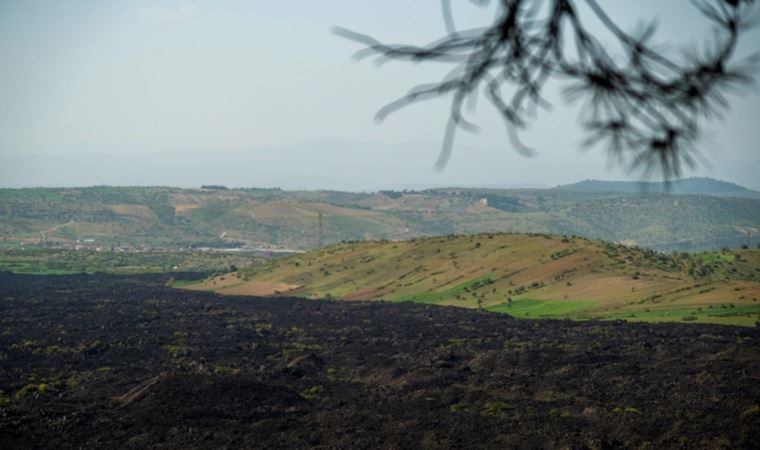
352 166
686 186
720 214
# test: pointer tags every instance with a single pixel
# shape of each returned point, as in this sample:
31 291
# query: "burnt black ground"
99 361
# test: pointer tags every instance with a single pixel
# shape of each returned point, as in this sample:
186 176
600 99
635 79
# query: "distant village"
95 246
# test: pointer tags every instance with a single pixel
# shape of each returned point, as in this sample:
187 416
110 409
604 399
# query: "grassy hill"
536 276
178 218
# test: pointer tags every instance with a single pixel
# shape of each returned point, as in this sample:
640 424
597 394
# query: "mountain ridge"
683 186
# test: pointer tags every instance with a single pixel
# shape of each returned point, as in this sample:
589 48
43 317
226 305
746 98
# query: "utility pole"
321 232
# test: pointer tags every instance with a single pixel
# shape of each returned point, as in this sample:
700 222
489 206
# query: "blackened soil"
107 361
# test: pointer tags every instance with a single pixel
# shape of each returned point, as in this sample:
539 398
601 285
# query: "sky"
261 92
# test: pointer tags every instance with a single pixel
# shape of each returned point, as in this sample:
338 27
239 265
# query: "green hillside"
536 276
214 217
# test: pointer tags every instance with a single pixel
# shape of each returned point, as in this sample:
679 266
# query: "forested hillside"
214 216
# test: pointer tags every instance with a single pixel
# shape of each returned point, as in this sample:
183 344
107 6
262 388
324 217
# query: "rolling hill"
536 276
218 217
686 186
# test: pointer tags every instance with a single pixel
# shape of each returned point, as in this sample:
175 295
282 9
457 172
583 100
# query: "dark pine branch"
644 107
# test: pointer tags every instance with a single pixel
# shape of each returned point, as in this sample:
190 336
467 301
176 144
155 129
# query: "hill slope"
178 218
686 186
523 275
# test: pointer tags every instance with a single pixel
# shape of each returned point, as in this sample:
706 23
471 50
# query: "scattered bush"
752 411
312 393
495 409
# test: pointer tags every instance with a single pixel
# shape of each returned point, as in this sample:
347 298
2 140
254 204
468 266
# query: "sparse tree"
645 106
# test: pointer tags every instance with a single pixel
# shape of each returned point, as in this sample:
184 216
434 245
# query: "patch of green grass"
213 212
221 369
712 257
535 309
31 389
312 393
743 315
433 297
177 351
627 410
559 412
459 407
751 411
42 270
495 409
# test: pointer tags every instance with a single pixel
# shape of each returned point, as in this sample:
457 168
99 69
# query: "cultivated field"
536 276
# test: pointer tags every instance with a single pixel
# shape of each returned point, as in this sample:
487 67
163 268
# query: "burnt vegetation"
105 361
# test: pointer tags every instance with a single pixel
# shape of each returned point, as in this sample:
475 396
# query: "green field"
719 257
748 315
455 292
538 309
62 262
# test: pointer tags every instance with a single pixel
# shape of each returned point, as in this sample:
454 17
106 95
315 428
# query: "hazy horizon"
147 92
365 167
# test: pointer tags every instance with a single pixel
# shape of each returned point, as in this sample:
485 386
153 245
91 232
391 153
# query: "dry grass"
486 270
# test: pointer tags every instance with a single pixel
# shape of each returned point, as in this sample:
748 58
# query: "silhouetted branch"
645 106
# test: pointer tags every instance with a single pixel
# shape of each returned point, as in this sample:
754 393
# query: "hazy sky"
175 78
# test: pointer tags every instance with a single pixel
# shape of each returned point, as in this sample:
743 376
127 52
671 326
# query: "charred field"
105 361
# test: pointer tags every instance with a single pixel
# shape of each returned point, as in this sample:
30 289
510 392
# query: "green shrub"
495 409
459 407
224 370
31 389
557 412
752 411
312 393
